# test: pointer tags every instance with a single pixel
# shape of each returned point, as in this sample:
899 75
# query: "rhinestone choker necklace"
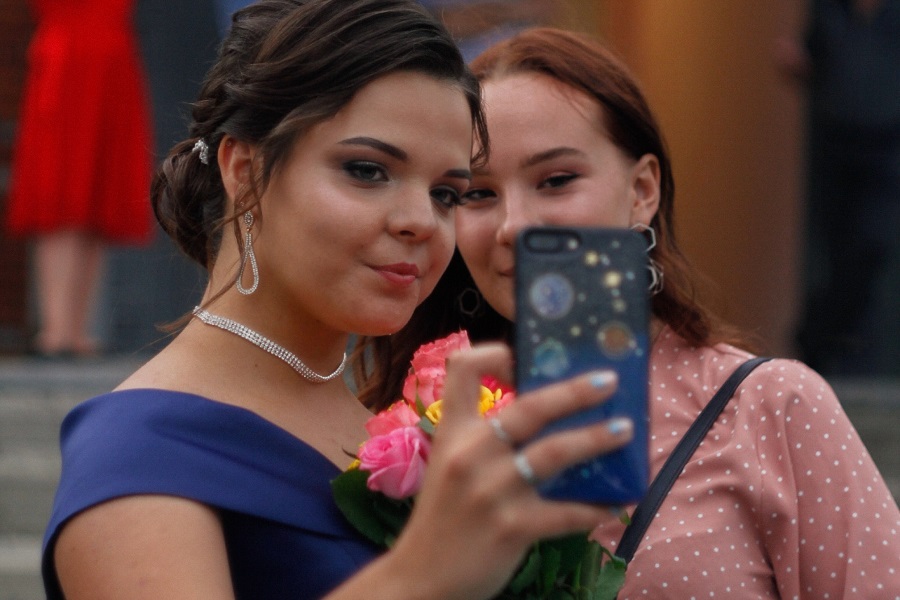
269 346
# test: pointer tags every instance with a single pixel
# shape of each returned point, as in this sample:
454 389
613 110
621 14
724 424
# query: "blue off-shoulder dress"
285 537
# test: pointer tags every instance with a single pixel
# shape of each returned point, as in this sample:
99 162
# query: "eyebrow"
388 149
399 154
459 174
550 155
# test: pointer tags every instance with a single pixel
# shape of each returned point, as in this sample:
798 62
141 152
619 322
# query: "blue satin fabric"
284 535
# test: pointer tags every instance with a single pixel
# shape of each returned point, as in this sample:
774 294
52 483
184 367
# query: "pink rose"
429 368
396 461
500 403
427 384
492 383
397 415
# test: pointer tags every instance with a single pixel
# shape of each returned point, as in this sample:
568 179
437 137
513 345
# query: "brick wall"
15 30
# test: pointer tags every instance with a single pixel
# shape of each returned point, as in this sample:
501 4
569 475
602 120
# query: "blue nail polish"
619 426
603 379
620 513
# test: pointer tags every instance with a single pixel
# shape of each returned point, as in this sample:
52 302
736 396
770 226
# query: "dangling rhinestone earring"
248 256
656 272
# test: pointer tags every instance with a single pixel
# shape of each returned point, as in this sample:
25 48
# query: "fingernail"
603 379
620 426
620 513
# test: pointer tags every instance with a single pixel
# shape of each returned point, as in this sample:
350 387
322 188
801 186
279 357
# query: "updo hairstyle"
285 66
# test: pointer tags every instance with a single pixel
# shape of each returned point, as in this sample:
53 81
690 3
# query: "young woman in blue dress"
328 149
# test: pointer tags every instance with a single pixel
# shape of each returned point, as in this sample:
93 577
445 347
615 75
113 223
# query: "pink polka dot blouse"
781 500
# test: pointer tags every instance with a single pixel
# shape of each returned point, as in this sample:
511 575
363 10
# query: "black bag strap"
674 465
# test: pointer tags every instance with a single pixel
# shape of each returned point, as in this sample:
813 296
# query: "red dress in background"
83 156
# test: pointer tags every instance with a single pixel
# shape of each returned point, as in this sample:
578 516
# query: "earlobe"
645 187
235 163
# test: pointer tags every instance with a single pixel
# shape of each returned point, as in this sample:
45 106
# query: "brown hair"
583 64
285 66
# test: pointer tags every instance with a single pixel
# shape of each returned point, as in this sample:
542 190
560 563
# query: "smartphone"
582 303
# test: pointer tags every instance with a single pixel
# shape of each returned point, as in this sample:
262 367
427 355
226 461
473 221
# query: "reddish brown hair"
585 65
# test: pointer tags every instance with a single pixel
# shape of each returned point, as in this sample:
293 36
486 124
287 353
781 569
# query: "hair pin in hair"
203 148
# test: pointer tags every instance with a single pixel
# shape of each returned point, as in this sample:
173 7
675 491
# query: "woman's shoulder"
129 412
164 442
674 362
671 351
132 423
109 438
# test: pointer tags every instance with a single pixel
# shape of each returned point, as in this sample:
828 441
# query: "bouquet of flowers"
377 492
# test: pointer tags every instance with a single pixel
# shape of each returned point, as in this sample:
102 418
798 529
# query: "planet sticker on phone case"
550 359
616 339
551 295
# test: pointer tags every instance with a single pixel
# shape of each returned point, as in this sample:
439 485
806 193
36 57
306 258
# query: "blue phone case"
582 304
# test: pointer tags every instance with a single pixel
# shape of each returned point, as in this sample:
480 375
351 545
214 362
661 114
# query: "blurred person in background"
849 62
82 160
476 24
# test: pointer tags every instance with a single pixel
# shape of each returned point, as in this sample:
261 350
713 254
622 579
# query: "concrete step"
874 410
34 397
19 568
29 458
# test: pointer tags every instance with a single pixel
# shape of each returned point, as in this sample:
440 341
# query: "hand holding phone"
582 304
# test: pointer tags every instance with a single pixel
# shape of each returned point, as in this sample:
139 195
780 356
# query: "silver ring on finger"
499 431
524 468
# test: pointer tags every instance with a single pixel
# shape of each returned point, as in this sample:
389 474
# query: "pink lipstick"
399 273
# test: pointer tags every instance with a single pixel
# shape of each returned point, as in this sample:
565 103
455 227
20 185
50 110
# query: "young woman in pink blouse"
781 500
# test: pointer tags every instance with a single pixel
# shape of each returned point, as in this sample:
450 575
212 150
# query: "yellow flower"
434 411
488 398
485 403
353 465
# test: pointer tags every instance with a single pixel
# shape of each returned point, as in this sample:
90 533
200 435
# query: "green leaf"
611 578
549 567
527 573
426 425
392 514
589 568
355 501
572 550
374 515
420 406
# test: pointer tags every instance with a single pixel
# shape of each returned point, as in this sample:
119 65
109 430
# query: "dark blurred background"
735 125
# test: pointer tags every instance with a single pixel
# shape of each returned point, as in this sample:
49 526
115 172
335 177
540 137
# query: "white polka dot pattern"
781 500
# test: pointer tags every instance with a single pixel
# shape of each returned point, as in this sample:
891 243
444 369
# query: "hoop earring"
248 256
656 271
469 302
